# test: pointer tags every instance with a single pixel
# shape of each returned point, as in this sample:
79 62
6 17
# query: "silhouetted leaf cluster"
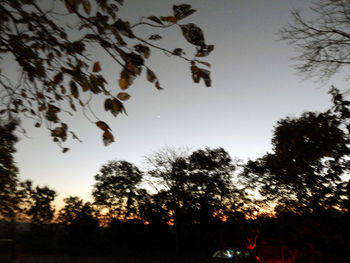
8 172
56 75
304 174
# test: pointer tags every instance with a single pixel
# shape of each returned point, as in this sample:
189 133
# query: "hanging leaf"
199 73
63 89
118 106
124 28
195 73
64 150
85 85
59 132
92 37
95 84
155 19
72 106
102 125
108 104
123 83
40 95
158 86
107 138
193 34
52 108
123 96
120 40
42 107
170 19
155 37
96 67
182 11
103 4
204 50
86 6
151 77
178 52
205 75
58 78
74 89
144 50
69 5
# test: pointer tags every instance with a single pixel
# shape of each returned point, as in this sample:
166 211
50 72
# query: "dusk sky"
254 85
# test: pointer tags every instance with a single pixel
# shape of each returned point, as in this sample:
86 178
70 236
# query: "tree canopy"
304 174
197 187
40 200
8 171
75 211
116 189
56 76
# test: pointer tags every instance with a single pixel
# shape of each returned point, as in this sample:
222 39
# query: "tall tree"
169 167
8 172
56 75
80 222
116 189
155 208
324 42
212 186
75 211
198 187
310 156
40 210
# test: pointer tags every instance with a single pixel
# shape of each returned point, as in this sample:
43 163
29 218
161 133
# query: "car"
235 254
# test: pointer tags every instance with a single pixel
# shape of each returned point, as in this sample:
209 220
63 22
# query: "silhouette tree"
212 186
8 172
169 167
196 193
198 187
154 209
310 156
116 189
56 75
75 211
80 221
324 42
39 200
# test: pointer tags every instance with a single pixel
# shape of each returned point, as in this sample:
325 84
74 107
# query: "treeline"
195 202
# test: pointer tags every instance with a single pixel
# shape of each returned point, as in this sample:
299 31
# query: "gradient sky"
254 85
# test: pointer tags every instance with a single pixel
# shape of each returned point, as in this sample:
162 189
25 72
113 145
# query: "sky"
254 85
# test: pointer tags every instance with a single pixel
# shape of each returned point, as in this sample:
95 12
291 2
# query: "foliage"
155 208
310 156
324 42
197 188
8 171
116 189
80 223
56 75
39 201
75 211
212 184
